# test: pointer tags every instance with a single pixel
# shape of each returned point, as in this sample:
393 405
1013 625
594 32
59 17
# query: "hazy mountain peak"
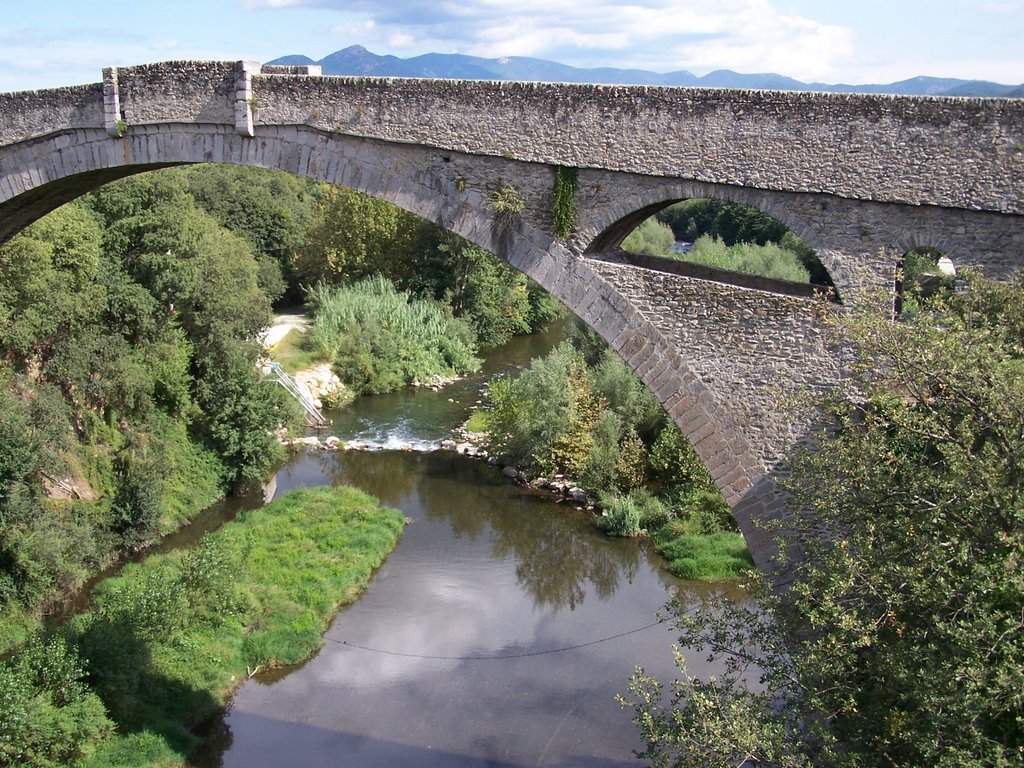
356 60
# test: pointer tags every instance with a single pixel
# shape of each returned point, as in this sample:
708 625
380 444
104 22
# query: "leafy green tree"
272 210
238 409
496 300
900 640
491 296
544 420
732 222
198 272
652 237
47 287
354 235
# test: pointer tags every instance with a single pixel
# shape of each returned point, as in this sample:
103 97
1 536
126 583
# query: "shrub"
769 260
621 516
48 716
563 201
715 556
651 237
380 339
507 202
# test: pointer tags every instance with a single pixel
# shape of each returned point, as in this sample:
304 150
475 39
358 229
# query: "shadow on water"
318 750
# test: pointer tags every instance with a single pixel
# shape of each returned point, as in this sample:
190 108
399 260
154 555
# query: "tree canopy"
900 641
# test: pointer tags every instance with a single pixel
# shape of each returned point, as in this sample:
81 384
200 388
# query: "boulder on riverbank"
324 386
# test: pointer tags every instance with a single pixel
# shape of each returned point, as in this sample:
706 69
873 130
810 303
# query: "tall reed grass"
379 338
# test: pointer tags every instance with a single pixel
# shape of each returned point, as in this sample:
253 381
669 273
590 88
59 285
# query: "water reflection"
559 561
486 569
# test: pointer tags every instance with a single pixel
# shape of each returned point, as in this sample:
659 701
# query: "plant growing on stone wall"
563 201
121 127
507 202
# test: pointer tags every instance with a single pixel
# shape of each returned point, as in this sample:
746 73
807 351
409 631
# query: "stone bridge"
861 179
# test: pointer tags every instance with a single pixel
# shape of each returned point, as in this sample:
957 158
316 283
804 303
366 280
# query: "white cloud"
165 45
747 35
1001 8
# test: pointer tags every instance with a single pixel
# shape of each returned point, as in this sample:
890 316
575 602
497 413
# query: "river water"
496 634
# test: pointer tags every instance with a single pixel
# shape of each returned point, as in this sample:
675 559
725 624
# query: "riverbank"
169 639
690 552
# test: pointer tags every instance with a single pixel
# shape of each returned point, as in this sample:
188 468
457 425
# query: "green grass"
477 421
295 353
713 557
16 626
194 477
172 636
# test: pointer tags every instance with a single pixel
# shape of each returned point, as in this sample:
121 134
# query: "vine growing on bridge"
563 201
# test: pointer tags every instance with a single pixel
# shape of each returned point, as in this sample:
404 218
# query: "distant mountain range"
356 60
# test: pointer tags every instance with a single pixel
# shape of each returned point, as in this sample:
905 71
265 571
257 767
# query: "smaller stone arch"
610 241
621 201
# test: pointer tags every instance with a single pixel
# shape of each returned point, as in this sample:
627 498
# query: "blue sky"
49 43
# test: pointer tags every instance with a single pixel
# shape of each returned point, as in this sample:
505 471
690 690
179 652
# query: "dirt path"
283 324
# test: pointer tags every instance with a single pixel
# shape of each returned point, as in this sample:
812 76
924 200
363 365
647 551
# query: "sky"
53 43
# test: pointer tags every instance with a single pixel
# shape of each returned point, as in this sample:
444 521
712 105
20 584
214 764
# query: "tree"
239 409
47 287
269 208
544 420
354 235
900 641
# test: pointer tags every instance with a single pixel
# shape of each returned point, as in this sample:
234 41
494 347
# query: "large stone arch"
452 190
859 178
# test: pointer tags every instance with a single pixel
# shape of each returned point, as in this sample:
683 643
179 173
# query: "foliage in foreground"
171 636
900 641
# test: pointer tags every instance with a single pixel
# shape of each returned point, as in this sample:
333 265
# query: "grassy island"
167 641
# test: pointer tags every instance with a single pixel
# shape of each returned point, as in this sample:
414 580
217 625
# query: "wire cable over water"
501 657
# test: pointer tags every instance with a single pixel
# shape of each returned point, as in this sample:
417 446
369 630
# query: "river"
496 634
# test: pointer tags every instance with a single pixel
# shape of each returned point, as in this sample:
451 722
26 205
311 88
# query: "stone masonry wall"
181 91
28 114
960 153
966 153
761 355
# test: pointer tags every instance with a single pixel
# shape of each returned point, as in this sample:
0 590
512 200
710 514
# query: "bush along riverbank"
581 424
167 641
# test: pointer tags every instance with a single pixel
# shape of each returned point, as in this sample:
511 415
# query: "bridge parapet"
950 152
960 153
29 114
